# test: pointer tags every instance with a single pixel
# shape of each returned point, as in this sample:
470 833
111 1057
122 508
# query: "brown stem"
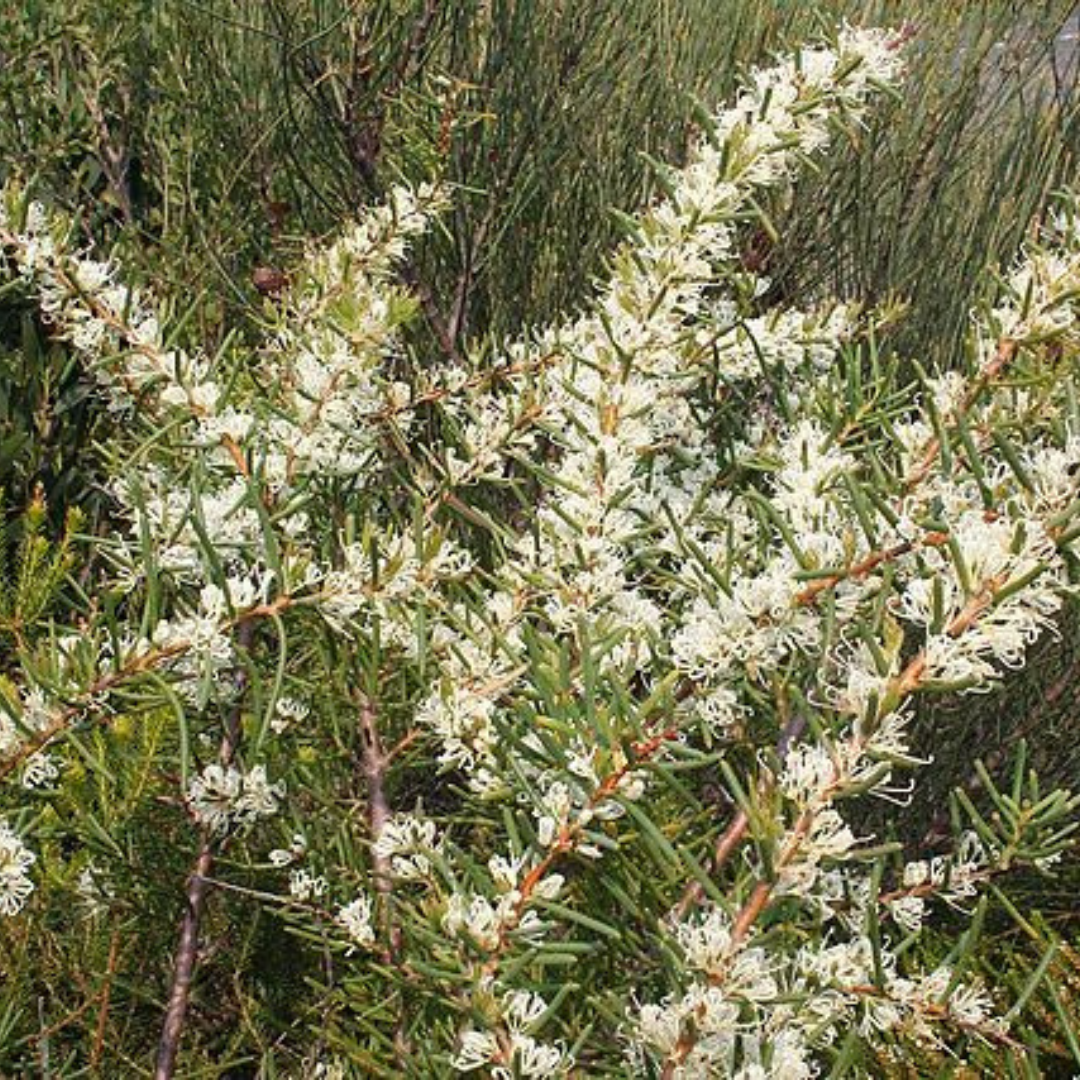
456 326
184 968
45 1034
733 835
361 123
113 154
138 665
867 565
198 888
373 763
930 888
106 996
570 834
64 717
373 767
433 315
1003 356
912 676
907 682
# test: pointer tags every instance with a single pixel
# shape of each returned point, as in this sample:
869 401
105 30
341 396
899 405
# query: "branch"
734 833
106 996
1003 356
912 676
373 767
138 665
113 155
433 314
184 969
198 887
905 683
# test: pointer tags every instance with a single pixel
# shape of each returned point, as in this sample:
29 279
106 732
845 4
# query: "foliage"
520 700
204 138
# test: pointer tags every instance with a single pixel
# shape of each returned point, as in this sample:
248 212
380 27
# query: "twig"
154 658
373 763
106 996
456 327
373 766
113 155
734 833
198 887
184 968
47 1033
1004 355
905 683
868 565
571 833
912 676
433 314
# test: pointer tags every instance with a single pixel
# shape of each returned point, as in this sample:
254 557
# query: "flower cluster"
223 797
797 1006
515 1051
15 860
355 919
657 560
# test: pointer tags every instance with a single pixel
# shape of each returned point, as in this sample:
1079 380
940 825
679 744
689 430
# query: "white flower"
522 1008
477 1049
213 794
846 963
355 919
15 860
407 840
505 872
908 911
223 796
706 943
287 712
464 721
281 857
970 1004
39 770
553 812
476 917
258 797
809 771
531 1058
304 885
94 890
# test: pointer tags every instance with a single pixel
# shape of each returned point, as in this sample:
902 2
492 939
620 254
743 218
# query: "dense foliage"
510 701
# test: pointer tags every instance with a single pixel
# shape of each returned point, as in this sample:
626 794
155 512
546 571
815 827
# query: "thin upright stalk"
198 888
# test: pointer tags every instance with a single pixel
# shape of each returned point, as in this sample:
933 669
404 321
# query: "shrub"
538 700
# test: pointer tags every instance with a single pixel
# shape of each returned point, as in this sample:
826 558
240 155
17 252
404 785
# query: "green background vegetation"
205 143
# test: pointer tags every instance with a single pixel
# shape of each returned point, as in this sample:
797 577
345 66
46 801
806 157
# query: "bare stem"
184 969
106 997
198 887
373 767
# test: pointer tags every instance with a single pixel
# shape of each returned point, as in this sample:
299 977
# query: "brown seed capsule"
269 280
277 211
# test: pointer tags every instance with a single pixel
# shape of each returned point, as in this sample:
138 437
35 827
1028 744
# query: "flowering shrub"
548 689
